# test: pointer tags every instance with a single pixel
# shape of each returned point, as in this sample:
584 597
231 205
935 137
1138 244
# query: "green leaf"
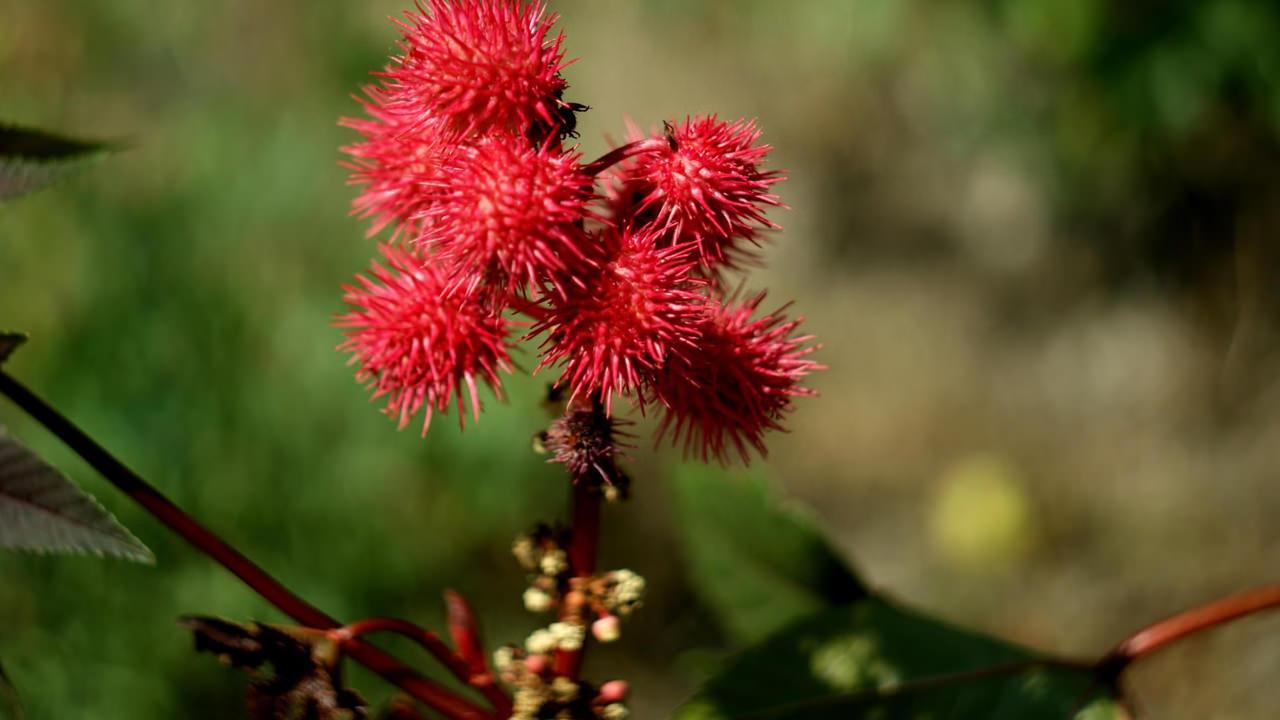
42 510
759 566
834 650
31 159
874 660
9 342
9 701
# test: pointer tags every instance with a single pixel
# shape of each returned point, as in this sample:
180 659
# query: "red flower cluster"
462 153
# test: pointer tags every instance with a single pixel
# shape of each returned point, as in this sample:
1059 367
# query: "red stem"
257 579
617 155
583 544
432 643
465 630
1187 623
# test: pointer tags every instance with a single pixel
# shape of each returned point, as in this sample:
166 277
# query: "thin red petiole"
465 631
1187 623
457 665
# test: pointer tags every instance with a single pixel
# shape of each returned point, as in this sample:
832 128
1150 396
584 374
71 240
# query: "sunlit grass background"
1037 240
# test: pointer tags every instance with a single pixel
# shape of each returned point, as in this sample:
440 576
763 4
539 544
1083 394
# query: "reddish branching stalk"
257 579
583 545
456 662
464 627
1189 622
465 631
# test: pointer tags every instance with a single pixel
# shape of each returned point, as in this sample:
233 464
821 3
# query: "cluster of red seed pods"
500 230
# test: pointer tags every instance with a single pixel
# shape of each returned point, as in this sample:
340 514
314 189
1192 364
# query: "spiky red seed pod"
509 211
626 317
397 163
481 65
737 386
706 187
419 345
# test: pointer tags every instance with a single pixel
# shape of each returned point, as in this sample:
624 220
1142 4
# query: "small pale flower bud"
537 600
564 689
528 701
606 629
615 711
502 659
541 641
627 591
525 552
568 636
554 562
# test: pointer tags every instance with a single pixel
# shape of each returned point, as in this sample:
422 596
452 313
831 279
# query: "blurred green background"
1038 241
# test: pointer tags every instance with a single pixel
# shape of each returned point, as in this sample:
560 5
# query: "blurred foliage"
874 660
982 515
9 342
9 698
758 566
1041 230
821 645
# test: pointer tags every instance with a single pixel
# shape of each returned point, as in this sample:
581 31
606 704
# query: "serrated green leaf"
874 660
760 566
9 700
9 342
42 510
31 159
